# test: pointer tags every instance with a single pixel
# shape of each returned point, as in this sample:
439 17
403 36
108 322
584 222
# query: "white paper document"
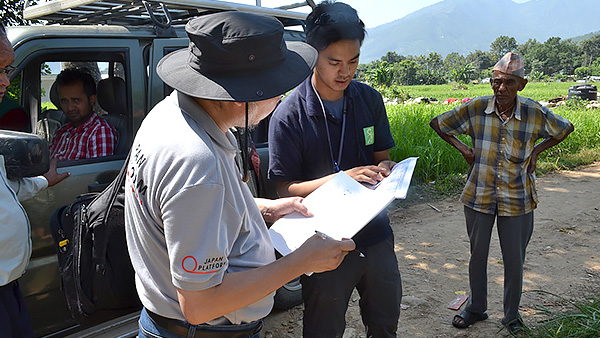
398 181
341 208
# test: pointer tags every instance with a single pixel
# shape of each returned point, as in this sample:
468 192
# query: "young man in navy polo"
327 124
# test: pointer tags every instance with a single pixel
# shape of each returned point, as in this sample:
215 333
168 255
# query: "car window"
157 89
60 116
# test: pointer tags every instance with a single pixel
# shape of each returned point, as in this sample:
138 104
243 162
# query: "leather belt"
181 329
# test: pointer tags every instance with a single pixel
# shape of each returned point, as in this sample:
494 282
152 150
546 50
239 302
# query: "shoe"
467 318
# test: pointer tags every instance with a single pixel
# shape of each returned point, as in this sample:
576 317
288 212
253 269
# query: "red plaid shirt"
94 138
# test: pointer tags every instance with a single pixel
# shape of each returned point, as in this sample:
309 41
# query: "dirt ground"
563 258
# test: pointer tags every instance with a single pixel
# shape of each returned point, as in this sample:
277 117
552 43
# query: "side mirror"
25 155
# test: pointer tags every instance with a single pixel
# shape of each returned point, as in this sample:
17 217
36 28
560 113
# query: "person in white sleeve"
15 234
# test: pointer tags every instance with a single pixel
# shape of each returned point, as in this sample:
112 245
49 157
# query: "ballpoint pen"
323 235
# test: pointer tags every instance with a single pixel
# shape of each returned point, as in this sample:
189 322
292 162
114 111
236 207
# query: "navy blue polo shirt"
299 149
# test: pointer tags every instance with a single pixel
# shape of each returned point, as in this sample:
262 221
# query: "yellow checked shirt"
498 180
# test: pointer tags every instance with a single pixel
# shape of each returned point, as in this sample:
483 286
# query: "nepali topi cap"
511 63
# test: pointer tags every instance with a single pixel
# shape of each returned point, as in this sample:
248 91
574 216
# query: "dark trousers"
14 320
377 279
514 233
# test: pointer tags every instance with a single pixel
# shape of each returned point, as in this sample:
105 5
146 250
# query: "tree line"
554 59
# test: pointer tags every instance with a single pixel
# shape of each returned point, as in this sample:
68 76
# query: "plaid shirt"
499 181
94 138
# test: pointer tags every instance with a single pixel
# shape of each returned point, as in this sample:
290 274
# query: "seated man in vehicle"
86 135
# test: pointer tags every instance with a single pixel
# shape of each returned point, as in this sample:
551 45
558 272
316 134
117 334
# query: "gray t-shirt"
189 217
335 108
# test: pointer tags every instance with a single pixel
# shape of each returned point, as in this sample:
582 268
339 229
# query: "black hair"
330 22
2 30
71 75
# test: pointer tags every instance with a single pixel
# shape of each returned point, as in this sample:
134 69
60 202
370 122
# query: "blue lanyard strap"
336 166
339 159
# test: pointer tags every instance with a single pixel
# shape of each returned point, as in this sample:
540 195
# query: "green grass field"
539 91
441 163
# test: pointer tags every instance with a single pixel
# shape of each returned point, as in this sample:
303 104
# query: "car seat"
51 120
111 94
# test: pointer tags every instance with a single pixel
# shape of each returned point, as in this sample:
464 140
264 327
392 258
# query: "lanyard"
336 166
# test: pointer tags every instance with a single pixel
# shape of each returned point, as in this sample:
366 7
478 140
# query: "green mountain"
467 25
584 37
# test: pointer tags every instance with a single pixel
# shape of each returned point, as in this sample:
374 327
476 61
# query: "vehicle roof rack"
162 13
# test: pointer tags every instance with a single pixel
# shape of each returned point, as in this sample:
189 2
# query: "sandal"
467 318
514 326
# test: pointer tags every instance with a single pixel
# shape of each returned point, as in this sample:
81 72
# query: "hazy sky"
377 12
372 12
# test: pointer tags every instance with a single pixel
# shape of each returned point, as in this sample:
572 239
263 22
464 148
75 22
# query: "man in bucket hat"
204 262
504 128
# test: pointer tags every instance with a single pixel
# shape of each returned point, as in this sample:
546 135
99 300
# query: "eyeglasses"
7 70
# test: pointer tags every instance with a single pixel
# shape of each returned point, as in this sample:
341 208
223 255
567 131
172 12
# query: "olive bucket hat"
236 56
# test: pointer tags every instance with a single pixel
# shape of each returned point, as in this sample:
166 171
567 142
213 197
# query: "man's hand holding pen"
325 236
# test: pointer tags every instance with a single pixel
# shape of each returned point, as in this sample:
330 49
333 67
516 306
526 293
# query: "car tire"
289 295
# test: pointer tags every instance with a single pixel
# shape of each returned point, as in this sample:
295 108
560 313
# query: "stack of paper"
341 208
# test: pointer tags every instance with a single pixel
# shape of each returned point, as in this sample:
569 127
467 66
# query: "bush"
486 74
393 93
536 76
459 86
561 77
431 77
582 72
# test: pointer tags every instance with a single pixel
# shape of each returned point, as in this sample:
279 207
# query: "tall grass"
583 321
410 128
581 147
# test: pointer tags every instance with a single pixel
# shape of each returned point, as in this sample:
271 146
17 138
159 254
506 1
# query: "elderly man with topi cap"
500 187
204 262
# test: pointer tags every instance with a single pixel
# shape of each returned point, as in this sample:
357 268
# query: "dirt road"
563 258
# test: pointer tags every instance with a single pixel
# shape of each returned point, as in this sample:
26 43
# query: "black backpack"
98 279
